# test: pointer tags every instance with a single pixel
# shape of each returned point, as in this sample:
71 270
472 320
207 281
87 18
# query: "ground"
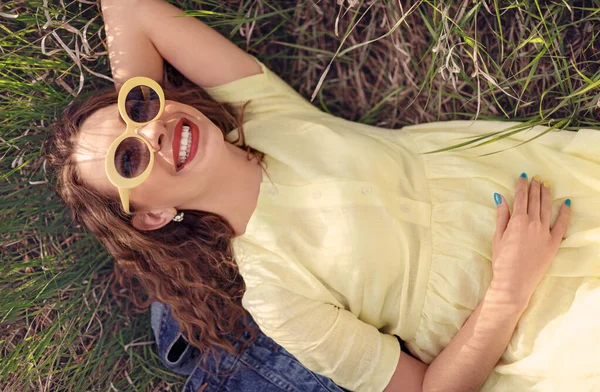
386 63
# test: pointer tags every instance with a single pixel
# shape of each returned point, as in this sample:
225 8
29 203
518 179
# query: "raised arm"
141 34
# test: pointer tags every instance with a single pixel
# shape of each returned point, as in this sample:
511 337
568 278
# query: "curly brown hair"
187 265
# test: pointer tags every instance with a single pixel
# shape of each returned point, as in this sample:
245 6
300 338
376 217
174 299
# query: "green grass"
60 327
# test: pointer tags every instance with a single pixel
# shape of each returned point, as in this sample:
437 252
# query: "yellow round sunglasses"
130 157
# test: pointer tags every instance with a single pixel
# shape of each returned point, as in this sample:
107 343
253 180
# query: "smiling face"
188 150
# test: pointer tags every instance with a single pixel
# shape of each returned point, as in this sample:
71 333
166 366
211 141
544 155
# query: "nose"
154 133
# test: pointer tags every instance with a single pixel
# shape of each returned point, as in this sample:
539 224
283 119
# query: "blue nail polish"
568 202
497 199
523 175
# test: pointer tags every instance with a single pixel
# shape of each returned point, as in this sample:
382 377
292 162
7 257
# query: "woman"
346 235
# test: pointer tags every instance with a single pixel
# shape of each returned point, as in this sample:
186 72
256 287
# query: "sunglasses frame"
124 184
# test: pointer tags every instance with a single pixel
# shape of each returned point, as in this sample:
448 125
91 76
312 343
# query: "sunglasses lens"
142 104
132 157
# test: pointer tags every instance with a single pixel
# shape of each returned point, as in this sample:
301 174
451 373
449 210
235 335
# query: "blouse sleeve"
326 339
266 93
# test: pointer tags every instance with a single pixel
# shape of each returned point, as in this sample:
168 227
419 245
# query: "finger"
520 202
533 206
560 226
502 216
546 206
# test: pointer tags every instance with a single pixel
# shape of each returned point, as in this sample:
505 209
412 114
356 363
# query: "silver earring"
178 217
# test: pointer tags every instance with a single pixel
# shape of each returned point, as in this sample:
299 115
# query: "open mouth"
185 143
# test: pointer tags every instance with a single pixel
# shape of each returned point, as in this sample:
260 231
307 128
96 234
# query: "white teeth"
186 144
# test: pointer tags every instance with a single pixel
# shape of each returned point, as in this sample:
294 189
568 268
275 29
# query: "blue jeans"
263 366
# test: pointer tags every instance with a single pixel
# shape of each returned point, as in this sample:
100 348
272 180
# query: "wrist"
507 297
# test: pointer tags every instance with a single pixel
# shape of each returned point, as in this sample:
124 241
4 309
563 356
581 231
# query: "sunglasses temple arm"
124 194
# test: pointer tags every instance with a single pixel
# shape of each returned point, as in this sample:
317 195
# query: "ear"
153 220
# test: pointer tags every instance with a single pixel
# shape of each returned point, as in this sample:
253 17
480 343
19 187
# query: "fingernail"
568 202
497 199
523 175
546 184
537 178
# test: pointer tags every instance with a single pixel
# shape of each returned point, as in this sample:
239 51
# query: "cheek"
159 190
163 189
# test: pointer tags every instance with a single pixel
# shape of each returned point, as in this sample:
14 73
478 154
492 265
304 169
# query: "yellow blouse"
359 236
338 245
